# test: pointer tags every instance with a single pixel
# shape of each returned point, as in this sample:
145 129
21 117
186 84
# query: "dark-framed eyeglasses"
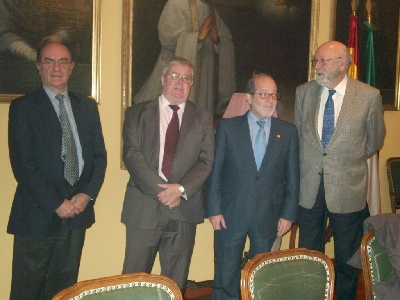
274 96
323 61
49 63
174 76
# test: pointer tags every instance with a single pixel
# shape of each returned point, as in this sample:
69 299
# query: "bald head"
337 48
331 62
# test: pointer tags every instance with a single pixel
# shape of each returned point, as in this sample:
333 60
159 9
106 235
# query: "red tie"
171 137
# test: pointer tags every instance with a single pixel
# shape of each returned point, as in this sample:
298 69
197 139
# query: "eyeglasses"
274 96
176 76
49 63
322 61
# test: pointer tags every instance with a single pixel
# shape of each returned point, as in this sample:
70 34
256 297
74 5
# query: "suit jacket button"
258 178
324 154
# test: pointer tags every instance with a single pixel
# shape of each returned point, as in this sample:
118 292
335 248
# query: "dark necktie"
68 152
260 144
329 120
171 138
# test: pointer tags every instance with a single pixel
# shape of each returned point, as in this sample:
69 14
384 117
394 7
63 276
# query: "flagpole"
352 43
368 6
373 192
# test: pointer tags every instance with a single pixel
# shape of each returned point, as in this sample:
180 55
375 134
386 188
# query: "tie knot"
331 92
261 123
174 107
59 97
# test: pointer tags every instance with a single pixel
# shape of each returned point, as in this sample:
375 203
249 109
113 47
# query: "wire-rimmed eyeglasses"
274 96
323 61
174 76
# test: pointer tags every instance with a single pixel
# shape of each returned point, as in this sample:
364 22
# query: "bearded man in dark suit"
59 160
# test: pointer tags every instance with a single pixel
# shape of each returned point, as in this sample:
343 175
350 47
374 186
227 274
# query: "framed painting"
385 21
274 37
24 23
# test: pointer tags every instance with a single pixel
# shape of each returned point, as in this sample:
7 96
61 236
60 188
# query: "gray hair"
348 58
177 61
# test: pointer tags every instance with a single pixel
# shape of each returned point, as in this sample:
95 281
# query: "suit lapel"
50 129
50 122
79 116
347 110
151 134
273 142
243 134
315 95
244 145
189 116
46 109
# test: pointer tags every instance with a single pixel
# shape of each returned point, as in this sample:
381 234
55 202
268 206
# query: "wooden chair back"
124 287
375 263
288 274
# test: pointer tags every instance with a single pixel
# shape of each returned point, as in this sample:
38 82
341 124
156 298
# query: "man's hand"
67 209
170 196
80 201
283 226
217 222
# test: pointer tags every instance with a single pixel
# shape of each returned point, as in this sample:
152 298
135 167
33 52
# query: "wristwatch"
182 190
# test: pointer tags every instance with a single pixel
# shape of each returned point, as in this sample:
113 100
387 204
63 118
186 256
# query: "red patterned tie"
171 137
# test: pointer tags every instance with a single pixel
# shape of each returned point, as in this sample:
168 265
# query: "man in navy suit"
52 208
251 193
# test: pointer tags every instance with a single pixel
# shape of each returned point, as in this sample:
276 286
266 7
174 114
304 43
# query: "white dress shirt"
165 117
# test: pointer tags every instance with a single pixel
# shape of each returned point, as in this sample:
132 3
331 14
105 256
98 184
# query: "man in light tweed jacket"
334 177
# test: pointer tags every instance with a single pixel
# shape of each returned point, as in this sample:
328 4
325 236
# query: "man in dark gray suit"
340 124
252 191
58 181
164 203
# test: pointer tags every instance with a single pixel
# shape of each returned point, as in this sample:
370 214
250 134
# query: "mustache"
321 72
322 82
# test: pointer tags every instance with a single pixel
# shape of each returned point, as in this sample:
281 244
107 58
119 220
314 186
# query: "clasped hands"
70 208
171 195
209 27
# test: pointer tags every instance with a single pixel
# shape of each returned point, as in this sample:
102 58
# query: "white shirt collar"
163 102
340 88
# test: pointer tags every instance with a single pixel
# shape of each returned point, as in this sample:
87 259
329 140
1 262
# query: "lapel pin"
278 136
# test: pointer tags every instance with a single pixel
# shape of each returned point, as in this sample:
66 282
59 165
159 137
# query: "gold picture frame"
127 40
127 32
90 86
